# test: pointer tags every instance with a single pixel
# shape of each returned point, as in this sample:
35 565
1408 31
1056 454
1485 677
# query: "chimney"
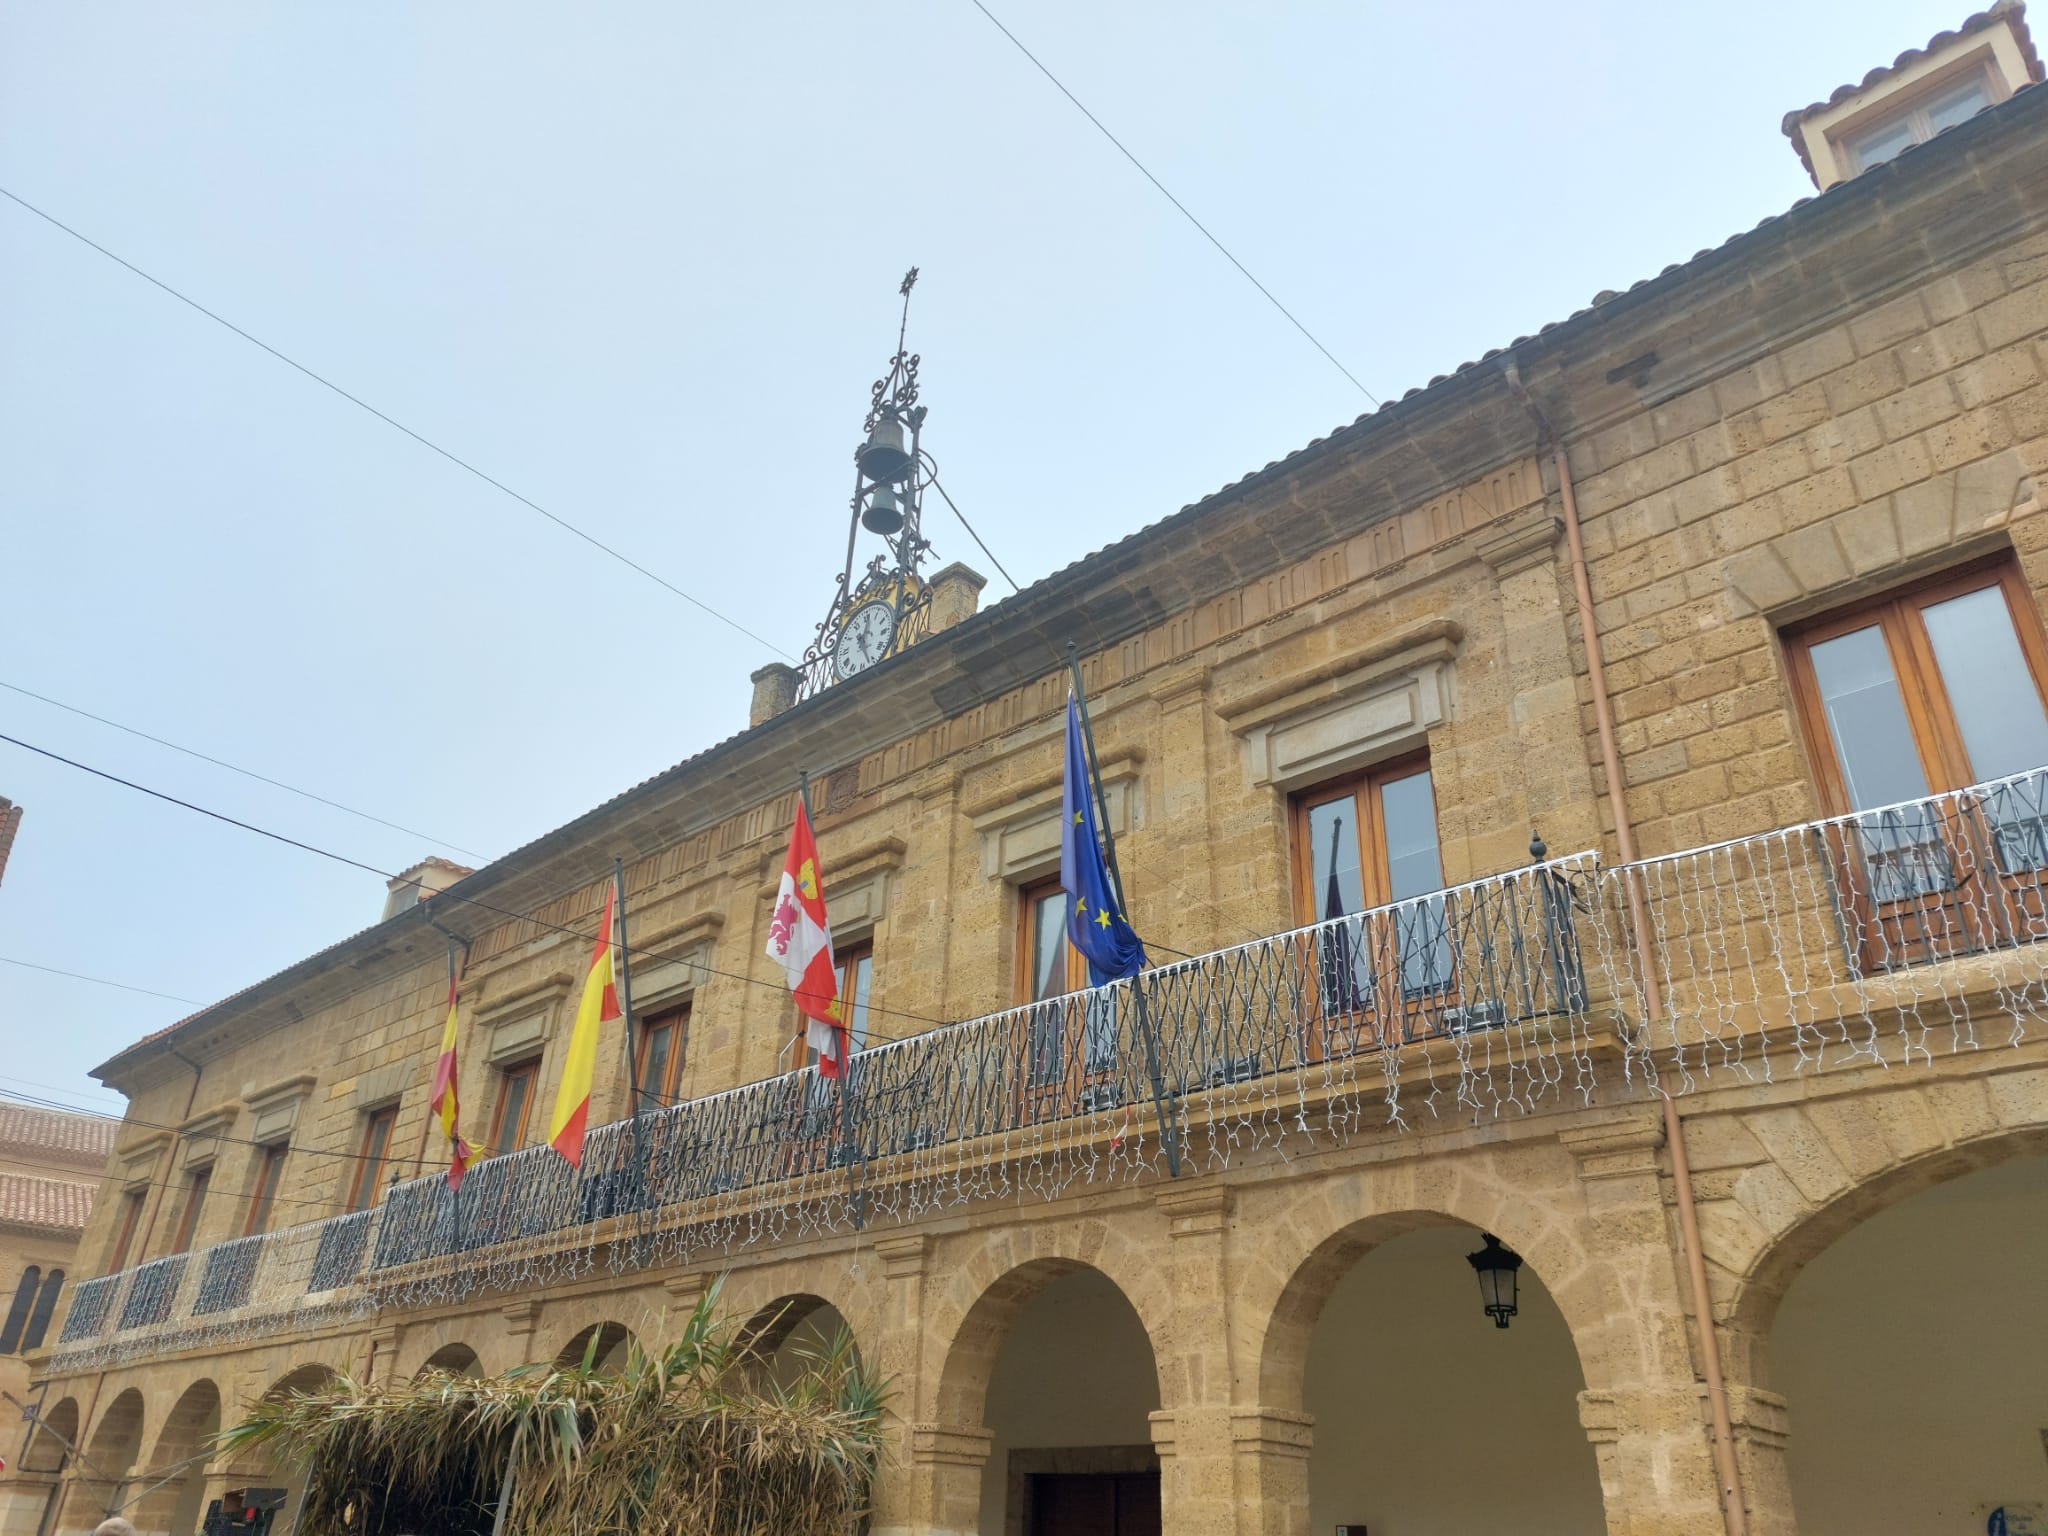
774 691
10 820
427 878
956 593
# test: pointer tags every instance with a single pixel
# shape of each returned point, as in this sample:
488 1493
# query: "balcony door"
1904 699
1070 1030
1363 844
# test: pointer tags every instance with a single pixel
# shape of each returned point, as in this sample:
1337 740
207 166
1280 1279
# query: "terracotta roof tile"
54 1205
33 1134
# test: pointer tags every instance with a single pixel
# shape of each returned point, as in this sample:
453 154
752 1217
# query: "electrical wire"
247 773
98 981
451 894
392 421
245 1197
970 532
1183 207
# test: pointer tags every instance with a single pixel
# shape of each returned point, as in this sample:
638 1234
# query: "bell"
883 514
882 457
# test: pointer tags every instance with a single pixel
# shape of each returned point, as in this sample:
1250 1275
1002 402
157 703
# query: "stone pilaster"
1270 1449
1547 745
1641 1409
1197 1472
1763 1425
908 1488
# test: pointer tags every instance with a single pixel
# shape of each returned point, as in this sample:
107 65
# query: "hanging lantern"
883 514
1496 1267
883 457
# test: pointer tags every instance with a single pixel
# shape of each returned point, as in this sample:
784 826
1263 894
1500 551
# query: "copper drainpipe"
1733 1517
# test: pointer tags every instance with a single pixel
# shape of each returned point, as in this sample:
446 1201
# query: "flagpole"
803 791
625 974
1169 1136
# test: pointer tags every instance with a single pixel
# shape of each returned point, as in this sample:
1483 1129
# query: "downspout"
1734 1519
56 1516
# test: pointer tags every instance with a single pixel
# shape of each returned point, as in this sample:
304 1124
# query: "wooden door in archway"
1095 1504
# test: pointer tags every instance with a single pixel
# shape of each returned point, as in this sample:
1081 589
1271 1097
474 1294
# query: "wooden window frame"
126 1224
1347 1031
529 1071
1933 925
263 1192
676 1022
1080 1080
367 1188
198 1184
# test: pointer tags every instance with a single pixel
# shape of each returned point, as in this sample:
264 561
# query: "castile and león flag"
800 941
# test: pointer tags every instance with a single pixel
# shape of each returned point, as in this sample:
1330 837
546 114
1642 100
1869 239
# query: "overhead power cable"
98 981
391 421
1183 207
247 773
973 535
631 950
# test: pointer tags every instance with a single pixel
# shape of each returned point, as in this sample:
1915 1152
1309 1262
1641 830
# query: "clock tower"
885 605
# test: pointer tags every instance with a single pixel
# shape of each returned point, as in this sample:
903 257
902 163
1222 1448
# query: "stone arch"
300 1378
114 1448
457 1359
1919 1150
970 1330
47 1452
182 1444
1318 1239
769 1327
612 1338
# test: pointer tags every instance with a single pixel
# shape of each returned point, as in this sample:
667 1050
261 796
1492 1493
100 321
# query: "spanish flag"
443 1103
600 1002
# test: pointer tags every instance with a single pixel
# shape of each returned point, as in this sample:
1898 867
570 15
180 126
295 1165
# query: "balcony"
1880 937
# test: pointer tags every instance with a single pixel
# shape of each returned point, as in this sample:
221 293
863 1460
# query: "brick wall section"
1888 444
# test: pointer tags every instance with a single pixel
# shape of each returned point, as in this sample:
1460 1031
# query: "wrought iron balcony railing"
1882 936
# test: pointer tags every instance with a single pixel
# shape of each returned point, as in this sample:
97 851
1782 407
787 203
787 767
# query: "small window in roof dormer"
1922 93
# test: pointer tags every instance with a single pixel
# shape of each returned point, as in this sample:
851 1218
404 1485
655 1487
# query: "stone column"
23 1502
940 1488
1643 1410
1763 1425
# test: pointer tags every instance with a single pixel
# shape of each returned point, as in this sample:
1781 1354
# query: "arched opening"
456 1359
113 1449
791 1333
1054 1361
1911 1353
178 1502
260 1468
612 1340
1427 1415
48 1451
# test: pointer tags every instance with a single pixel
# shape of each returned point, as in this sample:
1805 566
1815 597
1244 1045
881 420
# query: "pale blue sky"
640 262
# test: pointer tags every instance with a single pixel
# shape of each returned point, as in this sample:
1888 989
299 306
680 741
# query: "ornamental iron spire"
889 607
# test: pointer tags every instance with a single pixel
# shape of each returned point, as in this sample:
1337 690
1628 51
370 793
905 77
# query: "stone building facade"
51 1163
1728 587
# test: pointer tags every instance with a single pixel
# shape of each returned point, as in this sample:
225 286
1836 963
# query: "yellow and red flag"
599 1003
443 1103
800 940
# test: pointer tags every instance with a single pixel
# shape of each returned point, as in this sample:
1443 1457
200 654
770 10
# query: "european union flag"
1095 920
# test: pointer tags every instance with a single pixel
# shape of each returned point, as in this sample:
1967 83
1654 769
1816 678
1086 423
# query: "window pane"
1415 868
1867 718
1904 855
1049 945
1881 143
266 1189
1333 846
863 969
1958 105
1997 707
1998 714
512 1116
654 1066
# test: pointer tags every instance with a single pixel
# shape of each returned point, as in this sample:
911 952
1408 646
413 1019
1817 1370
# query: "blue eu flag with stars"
1095 920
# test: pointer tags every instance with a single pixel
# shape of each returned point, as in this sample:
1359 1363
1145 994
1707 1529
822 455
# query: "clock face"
865 638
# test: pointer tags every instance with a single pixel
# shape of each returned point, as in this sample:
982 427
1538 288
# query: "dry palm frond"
692 1440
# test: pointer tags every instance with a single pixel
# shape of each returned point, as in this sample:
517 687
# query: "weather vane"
890 606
